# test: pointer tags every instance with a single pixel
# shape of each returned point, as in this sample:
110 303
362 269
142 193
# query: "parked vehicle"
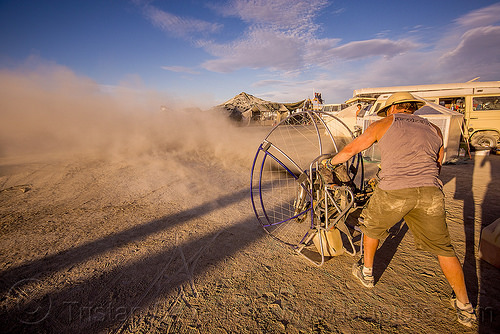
479 102
334 107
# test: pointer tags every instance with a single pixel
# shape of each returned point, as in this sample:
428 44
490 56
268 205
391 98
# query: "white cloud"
477 53
179 26
260 49
282 36
283 14
283 52
180 69
277 36
373 47
481 17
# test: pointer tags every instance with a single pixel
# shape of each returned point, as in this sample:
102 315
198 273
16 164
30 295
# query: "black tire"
481 141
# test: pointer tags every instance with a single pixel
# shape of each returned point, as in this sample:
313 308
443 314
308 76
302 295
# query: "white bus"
479 102
334 107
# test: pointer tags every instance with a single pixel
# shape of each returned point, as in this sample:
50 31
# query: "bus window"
453 103
364 110
486 103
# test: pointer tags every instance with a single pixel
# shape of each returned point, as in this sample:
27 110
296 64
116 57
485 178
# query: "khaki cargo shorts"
422 209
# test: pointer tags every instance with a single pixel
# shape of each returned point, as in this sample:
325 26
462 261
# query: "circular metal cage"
288 194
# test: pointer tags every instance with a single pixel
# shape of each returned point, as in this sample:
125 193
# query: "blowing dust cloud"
51 110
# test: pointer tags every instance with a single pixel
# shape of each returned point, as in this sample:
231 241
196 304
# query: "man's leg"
370 246
364 271
384 209
453 272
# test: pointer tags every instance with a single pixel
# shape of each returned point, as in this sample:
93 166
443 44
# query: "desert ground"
157 234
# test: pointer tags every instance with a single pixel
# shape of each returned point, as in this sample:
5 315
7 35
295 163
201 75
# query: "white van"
478 102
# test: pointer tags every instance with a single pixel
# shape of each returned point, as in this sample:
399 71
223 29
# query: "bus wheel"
483 141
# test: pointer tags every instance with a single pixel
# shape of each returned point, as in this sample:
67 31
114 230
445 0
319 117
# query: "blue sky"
280 50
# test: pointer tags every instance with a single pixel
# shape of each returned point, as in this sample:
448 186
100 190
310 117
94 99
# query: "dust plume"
52 110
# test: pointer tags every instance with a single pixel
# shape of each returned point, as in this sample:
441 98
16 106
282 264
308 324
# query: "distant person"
411 155
308 105
359 110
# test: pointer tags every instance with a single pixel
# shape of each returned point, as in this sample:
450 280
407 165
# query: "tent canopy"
448 121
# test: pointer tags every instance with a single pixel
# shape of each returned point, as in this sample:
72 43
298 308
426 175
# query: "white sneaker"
366 280
467 316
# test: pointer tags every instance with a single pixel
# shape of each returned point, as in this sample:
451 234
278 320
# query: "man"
411 155
359 109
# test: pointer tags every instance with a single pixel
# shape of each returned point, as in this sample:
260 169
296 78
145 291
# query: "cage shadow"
106 302
45 266
91 305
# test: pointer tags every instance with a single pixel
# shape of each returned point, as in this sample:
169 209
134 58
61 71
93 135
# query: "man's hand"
336 173
327 163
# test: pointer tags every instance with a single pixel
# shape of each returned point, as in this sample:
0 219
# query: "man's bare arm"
372 134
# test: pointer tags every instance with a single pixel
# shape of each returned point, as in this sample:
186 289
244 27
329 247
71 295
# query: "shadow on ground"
107 300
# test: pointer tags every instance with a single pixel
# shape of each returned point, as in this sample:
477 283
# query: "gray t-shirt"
409 152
